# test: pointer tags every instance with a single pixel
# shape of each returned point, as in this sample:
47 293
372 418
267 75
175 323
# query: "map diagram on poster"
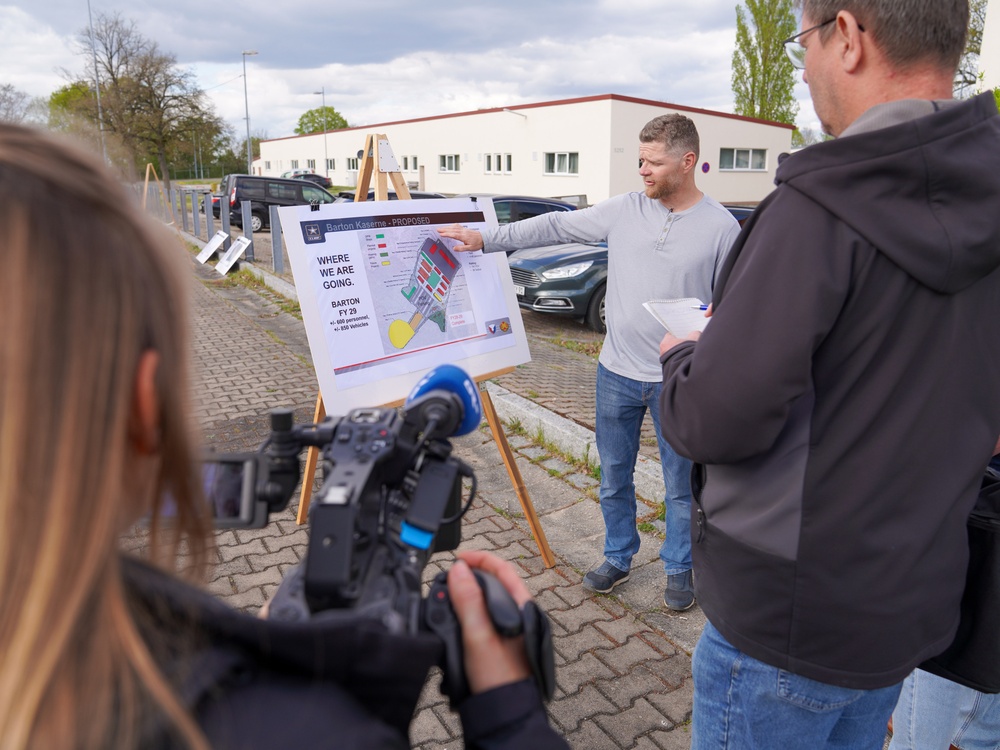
427 290
384 297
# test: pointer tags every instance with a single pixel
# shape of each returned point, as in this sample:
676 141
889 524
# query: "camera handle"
509 621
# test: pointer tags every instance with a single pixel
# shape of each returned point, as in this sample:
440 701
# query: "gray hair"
676 132
907 31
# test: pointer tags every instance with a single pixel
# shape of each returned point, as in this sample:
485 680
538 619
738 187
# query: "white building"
989 53
572 147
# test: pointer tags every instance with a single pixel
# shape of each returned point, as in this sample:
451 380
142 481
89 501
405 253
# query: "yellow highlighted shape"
400 333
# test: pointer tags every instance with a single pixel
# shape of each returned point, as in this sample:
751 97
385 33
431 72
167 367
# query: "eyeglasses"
794 49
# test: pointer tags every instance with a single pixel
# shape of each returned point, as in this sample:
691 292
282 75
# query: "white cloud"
389 60
32 54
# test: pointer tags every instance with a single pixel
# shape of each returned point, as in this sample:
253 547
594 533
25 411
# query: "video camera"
390 497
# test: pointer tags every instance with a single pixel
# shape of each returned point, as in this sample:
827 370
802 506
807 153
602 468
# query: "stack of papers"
679 316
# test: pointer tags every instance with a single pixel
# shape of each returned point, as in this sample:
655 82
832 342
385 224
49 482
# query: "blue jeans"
741 703
933 713
621 406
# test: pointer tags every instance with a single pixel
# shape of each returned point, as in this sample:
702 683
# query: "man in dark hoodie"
843 400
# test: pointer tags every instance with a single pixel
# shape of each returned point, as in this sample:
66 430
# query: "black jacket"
255 683
845 400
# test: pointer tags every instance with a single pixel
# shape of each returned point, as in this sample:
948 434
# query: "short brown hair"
907 31
676 132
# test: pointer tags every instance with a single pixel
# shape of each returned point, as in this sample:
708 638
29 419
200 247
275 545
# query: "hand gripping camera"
390 496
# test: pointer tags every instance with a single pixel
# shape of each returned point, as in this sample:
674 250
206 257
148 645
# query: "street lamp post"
246 104
326 155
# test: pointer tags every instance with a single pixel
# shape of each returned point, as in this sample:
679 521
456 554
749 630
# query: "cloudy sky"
386 60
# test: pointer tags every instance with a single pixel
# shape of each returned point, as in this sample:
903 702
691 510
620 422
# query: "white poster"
385 298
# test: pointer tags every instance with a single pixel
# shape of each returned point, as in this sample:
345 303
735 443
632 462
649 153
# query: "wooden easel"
378 151
163 193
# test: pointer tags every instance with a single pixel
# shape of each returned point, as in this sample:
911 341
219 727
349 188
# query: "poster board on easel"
384 299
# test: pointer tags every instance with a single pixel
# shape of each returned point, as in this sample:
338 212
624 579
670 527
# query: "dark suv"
511 208
263 192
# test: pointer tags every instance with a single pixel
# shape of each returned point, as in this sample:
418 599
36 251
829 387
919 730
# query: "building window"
406 163
311 164
352 164
331 163
450 163
413 161
743 159
562 163
267 165
507 164
497 163
295 163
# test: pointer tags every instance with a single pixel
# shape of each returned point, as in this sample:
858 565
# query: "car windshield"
315 195
502 209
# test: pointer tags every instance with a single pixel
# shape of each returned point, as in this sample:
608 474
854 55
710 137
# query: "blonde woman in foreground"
99 649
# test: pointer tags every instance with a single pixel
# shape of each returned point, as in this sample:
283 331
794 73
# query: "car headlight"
568 272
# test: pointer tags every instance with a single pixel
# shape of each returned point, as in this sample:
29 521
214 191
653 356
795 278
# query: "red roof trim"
554 103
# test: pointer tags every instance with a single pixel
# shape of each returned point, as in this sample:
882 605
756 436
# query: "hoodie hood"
927 191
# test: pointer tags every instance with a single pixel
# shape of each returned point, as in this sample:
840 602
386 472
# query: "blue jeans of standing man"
741 703
621 406
934 713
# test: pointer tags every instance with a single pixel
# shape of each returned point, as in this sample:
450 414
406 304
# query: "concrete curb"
570 438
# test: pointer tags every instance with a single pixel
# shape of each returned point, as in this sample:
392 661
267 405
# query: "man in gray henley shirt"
664 243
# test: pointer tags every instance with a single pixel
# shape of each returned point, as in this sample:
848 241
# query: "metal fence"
190 210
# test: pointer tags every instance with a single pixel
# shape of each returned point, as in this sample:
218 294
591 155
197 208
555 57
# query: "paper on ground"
678 316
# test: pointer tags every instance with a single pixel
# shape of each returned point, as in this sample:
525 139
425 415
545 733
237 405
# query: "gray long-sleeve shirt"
653 253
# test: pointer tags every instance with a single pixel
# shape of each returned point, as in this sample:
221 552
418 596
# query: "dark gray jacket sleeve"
511 717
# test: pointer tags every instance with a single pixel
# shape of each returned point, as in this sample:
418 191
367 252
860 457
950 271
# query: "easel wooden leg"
312 457
515 477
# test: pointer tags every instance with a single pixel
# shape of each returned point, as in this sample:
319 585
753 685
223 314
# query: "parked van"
263 192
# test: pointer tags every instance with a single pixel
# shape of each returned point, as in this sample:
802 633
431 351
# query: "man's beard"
663 190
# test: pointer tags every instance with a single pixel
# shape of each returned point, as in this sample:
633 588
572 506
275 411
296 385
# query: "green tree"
15 105
802 137
67 101
763 76
967 75
255 138
72 109
151 105
313 121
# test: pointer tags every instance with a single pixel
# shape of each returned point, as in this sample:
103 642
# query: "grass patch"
533 394
249 280
591 467
590 348
502 512
646 527
515 427
582 464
